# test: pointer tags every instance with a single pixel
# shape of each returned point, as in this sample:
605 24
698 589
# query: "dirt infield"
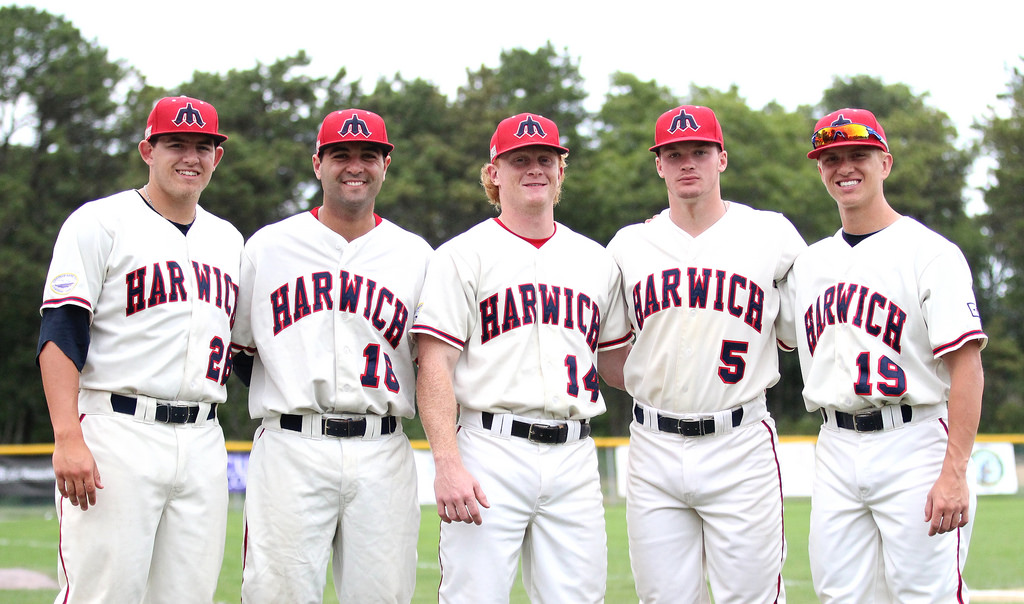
20 578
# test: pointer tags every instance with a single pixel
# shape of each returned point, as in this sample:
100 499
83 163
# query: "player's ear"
657 165
886 164
146 151
387 162
217 156
492 173
316 165
723 160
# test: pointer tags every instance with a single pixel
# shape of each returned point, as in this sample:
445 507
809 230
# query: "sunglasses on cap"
846 132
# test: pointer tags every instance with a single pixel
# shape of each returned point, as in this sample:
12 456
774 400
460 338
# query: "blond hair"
492 189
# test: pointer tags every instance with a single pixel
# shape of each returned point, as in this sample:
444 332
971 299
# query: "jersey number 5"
733 366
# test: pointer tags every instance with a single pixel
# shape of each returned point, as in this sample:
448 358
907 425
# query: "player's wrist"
447 461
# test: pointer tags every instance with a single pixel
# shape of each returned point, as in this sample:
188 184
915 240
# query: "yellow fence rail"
238 446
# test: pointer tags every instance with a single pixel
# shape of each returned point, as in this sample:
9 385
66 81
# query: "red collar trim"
534 242
316 214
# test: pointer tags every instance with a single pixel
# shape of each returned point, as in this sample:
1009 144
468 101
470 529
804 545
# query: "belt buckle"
340 427
867 421
690 427
176 414
545 433
696 427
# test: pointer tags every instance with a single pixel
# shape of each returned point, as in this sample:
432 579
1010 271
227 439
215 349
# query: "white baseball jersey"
162 303
529 321
329 319
871 322
704 308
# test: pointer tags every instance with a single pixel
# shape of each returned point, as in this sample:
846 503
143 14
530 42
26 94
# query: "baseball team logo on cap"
687 123
847 127
353 125
181 114
524 130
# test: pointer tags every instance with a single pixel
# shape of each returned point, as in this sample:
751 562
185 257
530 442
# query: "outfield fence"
26 471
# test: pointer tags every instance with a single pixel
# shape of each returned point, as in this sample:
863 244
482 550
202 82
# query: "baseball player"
133 351
700 283
326 301
513 315
889 337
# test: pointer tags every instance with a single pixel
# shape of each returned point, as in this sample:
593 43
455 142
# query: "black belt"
340 427
687 427
548 434
867 421
165 413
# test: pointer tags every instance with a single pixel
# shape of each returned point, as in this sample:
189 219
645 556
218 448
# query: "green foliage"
1003 275
71 121
1003 139
271 114
55 94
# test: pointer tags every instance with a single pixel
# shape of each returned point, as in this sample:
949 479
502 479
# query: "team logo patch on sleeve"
64 283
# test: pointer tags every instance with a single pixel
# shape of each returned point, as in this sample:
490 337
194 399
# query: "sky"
960 53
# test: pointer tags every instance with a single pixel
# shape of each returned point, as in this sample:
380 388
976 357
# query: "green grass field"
28 539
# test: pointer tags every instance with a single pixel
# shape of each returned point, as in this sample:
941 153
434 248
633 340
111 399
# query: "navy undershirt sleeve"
241 366
68 327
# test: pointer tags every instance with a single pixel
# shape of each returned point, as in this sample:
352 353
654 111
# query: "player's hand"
457 494
948 503
78 478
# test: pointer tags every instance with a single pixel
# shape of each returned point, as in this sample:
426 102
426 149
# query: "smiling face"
180 165
691 170
351 174
527 178
854 175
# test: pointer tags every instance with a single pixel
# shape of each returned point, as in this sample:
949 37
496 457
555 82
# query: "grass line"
995 567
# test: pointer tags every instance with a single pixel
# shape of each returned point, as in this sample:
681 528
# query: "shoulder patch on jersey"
64 283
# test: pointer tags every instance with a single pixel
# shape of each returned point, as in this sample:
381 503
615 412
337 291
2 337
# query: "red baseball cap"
353 125
847 127
524 130
687 123
174 114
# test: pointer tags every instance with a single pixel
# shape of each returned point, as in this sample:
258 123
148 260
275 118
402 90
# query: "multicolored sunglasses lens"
846 132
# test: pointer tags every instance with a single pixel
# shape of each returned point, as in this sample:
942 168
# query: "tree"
929 172
1003 139
60 145
271 114
616 184
433 182
1003 284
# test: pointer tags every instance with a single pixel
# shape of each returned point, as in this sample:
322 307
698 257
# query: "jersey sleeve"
792 244
241 332
616 330
445 307
948 302
78 268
